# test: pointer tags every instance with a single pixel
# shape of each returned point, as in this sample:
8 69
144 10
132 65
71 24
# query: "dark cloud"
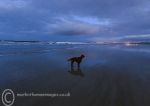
75 25
100 18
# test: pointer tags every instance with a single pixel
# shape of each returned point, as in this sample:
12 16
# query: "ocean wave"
12 42
38 43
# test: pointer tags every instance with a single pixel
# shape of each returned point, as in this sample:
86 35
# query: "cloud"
125 38
99 18
13 4
145 37
77 25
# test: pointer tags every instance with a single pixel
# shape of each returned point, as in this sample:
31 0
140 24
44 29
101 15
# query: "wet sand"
110 75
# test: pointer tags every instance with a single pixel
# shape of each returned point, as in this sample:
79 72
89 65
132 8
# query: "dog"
78 60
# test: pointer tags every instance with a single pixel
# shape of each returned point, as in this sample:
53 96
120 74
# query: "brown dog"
78 60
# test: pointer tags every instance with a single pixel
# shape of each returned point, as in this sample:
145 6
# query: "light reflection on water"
114 75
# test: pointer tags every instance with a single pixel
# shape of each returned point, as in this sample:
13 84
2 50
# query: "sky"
74 20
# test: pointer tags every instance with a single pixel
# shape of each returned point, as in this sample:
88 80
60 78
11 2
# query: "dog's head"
82 55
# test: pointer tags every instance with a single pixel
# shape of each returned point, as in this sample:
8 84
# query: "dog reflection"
77 72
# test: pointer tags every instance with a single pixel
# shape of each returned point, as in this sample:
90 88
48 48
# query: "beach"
110 75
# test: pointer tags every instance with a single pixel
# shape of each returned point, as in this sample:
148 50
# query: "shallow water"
110 75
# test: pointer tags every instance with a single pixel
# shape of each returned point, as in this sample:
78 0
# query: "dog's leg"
78 65
72 65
